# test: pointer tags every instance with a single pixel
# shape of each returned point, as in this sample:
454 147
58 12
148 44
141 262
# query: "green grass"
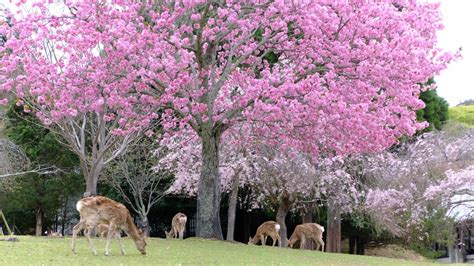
463 114
191 251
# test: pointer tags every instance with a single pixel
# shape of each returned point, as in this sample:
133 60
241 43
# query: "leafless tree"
133 177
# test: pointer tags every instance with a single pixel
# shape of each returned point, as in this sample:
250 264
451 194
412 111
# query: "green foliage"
435 111
462 114
39 144
56 251
438 228
24 196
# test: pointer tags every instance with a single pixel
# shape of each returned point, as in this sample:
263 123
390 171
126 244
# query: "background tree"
436 109
40 193
133 178
421 180
79 79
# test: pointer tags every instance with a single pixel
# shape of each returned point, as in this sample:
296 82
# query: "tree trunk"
352 244
232 207
283 209
64 218
209 191
308 218
145 224
246 220
39 221
91 176
361 243
334 228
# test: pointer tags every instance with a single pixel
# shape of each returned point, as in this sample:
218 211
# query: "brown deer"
101 210
268 228
103 229
178 225
312 231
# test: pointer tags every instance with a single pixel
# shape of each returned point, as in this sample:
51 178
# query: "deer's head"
169 234
141 242
250 241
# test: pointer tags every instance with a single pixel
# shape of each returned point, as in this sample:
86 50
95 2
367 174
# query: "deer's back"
178 217
102 208
309 229
268 226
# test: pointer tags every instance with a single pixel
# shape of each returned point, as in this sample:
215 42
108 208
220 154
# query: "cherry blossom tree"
81 76
345 80
436 170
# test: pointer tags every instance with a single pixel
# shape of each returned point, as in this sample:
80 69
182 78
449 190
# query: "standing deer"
268 228
312 231
178 225
101 210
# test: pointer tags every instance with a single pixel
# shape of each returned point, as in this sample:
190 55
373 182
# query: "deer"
178 225
312 231
103 229
96 210
268 228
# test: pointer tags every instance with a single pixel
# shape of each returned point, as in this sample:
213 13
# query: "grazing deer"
312 231
101 210
178 225
268 228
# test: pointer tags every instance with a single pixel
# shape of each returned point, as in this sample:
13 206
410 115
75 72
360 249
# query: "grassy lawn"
56 251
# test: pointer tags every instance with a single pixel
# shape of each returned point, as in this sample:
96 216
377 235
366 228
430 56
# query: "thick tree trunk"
39 221
352 244
91 176
283 209
145 224
361 243
308 218
334 228
247 220
232 207
209 191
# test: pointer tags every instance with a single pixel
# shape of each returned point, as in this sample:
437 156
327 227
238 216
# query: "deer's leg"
87 233
262 240
302 242
320 240
110 234
279 239
316 244
77 228
175 233
119 238
274 240
181 233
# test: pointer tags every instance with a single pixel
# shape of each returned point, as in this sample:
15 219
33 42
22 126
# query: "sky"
454 83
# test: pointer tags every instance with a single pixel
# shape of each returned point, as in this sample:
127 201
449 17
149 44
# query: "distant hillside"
463 114
467 102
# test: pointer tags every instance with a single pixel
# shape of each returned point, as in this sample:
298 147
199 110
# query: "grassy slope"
56 251
463 114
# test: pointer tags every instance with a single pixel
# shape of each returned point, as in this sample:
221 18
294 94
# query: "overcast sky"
454 83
